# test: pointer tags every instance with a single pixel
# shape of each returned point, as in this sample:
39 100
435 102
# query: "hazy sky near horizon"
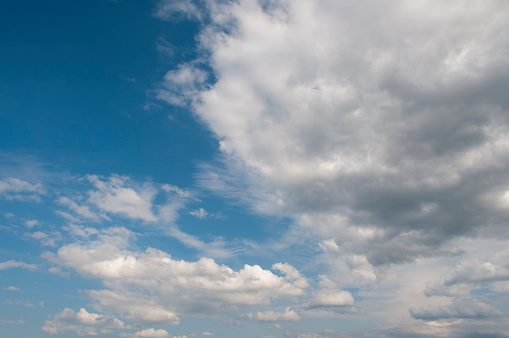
254 168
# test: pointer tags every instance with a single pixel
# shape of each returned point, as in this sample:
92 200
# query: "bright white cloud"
200 213
68 320
167 286
271 316
160 333
112 196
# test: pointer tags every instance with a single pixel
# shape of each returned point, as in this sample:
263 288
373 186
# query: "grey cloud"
406 110
478 272
460 308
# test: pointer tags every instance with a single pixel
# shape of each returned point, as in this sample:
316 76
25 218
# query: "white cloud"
182 85
171 188
81 210
166 287
68 320
392 126
15 264
15 189
30 223
112 196
12 288
216 248
174 9
150 333
57 271
271 316
44 238
200 213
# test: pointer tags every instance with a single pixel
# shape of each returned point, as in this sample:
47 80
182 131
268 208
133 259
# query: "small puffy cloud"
200 213
271 316
57 271
150 333
12 288
113 196
15 264
460 308
16 189
182 85
30 223
44 238
68 320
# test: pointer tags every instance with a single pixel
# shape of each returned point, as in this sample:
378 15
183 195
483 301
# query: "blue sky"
254 168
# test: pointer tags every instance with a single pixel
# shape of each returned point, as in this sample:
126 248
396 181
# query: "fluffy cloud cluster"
151 287
379 127
271 316
68 320
387 115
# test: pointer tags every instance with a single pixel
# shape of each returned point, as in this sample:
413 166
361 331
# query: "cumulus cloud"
478 272
113 196
44 238
460 308
15 189
271 316
68 320
399 125
149 333
151 287
30 223
15 264
200 213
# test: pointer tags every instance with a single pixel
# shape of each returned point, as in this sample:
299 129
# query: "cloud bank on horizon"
379 131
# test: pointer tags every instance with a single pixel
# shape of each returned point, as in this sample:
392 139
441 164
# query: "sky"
254 168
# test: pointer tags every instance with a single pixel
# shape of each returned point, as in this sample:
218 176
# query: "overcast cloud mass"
291 168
